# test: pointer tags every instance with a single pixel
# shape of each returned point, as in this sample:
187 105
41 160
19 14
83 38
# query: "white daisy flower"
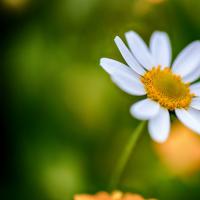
165 88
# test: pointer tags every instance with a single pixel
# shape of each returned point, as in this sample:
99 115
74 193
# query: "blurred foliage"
68 122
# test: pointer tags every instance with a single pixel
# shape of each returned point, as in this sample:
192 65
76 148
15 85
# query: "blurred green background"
67 121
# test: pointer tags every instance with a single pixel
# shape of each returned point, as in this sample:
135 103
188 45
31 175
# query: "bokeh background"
66 122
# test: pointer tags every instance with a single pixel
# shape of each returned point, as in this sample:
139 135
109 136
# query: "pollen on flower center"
167 88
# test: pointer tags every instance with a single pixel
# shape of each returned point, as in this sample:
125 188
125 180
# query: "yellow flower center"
166 88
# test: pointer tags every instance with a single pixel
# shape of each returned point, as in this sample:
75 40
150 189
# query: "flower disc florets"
167 88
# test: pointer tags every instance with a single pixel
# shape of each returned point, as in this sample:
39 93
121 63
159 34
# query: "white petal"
193 76
159 126
190 117
112 66
196 103
139 49
188 60
145 109
161 49
128 57
128 84
195 88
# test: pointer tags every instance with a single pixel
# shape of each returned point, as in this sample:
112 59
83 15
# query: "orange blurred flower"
181 152
116 195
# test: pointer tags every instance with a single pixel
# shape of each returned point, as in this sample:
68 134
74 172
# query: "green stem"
125 155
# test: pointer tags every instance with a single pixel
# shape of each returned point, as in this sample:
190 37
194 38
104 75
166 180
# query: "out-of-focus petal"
139 49
188 60
159 126
160 47
128 57
145 109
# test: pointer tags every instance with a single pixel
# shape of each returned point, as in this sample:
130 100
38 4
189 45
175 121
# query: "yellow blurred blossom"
143 7
156 1
181 152
15 4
